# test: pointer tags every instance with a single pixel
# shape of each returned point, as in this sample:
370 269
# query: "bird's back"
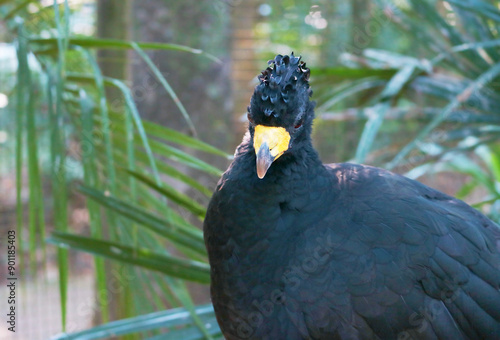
415 263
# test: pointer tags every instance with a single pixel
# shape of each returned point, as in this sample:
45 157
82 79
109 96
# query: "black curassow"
302 250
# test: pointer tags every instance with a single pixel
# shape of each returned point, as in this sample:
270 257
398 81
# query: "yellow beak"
269 142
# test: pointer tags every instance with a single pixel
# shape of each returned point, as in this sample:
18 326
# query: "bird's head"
280 114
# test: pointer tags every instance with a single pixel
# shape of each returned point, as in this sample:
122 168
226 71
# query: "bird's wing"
411 260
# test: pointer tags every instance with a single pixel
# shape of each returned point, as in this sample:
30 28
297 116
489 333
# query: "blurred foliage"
322 31
118 161
203 86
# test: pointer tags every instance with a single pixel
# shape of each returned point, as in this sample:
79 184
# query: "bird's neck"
294 168
295 192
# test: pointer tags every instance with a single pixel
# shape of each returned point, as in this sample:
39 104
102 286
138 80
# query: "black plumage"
340 251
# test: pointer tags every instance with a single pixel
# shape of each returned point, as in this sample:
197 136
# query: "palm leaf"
184 269
178 321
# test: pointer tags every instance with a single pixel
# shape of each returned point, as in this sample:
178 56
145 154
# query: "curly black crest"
283 85
286 71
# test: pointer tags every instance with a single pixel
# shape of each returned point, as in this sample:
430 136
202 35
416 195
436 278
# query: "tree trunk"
113 22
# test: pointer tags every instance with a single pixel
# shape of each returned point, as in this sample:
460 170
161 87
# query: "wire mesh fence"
39 311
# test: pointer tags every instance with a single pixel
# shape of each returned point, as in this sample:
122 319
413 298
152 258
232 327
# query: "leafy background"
129 119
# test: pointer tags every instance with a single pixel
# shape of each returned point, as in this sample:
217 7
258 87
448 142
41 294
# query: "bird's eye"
299 123
249 117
